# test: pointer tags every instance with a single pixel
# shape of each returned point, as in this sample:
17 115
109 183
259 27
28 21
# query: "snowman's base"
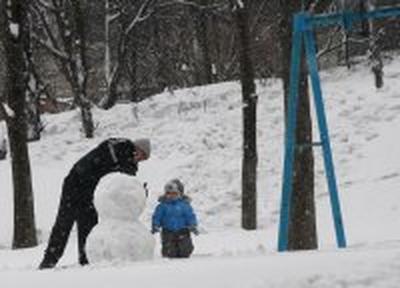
120 241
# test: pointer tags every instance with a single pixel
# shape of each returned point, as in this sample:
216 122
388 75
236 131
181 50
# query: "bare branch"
59 54
180 2
191 4
46 26
111 18
327 50
46 5
328 46
139 16
256 17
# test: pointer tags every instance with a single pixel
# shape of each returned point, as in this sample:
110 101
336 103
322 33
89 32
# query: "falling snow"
204 148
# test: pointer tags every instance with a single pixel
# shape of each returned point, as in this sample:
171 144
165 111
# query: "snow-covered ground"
196 136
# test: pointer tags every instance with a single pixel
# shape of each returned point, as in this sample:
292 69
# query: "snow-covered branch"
236 4
240 4
111 17
6 110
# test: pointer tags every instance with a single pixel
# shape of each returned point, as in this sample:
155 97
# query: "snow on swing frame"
303 27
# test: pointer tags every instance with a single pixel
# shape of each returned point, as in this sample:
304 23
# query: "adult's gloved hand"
194 230
155 229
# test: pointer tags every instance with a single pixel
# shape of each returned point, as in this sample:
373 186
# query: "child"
175 216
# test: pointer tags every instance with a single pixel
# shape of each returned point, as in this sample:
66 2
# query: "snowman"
119 236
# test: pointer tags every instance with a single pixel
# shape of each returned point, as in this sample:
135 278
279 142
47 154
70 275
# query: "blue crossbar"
344 19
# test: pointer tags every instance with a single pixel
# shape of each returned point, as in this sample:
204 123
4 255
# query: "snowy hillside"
196 136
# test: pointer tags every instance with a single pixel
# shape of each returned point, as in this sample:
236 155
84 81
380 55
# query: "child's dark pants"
176 244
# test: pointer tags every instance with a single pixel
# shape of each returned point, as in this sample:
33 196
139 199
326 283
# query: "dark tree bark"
35 88
249 98
3 142
201 45
162 72
132 67
79 68
302 227
14 29
35 126
374 44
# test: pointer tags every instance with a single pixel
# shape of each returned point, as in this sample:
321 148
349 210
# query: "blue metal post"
303 25
324 136
290 129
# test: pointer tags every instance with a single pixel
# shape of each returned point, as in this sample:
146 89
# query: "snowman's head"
119 197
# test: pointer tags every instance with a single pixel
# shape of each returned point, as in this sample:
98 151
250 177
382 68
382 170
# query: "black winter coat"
112 155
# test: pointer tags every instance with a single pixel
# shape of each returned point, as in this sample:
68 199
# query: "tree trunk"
132 67
302 227
87 120
162 56
202 51
116 76
374 44
15 30
34 123
107 51
112 75
249 98
3 142
79 68
34 90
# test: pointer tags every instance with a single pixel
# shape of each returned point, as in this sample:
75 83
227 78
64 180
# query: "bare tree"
162 54
14 31
128 15
63 27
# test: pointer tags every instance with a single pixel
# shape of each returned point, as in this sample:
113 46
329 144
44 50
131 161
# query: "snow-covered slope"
196 136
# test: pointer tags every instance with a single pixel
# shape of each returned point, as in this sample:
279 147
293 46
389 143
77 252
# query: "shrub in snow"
120 236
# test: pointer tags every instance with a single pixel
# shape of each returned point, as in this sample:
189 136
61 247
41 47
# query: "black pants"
176 244
72 209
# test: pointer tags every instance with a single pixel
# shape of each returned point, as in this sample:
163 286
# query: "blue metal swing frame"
303 27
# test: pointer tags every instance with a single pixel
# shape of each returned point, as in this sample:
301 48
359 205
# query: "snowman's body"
119 236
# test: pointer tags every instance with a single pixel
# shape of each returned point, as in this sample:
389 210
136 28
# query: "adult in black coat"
76 205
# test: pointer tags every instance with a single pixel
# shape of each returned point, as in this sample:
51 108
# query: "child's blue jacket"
174 215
